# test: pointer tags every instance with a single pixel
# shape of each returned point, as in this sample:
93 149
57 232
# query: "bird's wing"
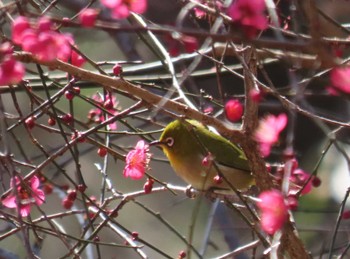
224 151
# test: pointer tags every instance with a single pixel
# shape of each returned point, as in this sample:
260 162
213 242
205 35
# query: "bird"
203 159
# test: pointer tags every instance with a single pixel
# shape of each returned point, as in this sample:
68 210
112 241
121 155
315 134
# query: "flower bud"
233 110
30 122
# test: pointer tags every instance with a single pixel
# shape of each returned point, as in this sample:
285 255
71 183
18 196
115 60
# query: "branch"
111 83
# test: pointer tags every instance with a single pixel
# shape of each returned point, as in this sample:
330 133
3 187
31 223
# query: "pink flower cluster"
250 15
300 179
137 161
41 39
109 103
268 131
26 196
11 71
121 8
274 211
301 183
274 207
340 79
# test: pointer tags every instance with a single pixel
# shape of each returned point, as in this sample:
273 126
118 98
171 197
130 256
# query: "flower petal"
39 197
34 183
10 201
25 210
274 211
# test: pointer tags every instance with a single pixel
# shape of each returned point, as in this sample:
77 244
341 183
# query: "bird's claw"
190 192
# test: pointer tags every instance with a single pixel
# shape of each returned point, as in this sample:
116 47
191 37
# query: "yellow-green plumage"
191 142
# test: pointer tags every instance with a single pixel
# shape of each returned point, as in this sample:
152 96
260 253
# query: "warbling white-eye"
190 146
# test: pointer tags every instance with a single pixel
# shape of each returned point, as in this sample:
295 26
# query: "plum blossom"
76 59
340 79
274 211
301 182
200 14
88 17
121 8
249 14
299 178
41 39
137 161
26 196
109 103
176 44
11 71
268 131
19 26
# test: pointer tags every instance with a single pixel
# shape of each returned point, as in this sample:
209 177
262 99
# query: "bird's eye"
169 141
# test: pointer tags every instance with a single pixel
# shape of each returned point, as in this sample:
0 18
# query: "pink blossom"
76 59
64 40
274 211
19 25
6 48
88 17
41 39
44 24
249 14
340 79
44 45
26 196
97 115
11 71
268 131
199 13
137 161
187 43
111 3
299 178
122 8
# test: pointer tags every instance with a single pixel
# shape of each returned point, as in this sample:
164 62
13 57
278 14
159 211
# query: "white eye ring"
169 141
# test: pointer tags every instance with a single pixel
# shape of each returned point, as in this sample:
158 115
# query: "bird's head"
178 140
171 137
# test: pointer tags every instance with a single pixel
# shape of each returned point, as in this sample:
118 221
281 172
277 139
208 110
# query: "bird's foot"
191 192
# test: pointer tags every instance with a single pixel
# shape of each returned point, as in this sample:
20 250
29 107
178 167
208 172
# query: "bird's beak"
156 143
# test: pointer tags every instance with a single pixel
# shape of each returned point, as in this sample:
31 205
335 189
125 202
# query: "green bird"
199 156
